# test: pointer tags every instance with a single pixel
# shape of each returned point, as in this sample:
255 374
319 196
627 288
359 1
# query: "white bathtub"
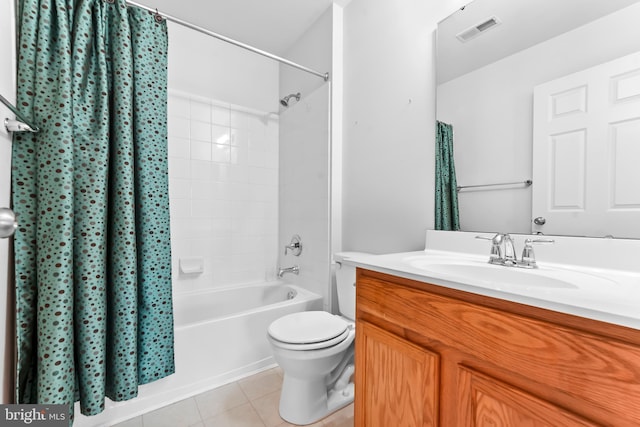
220 336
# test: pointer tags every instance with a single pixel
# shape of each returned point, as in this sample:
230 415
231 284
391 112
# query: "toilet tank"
346 284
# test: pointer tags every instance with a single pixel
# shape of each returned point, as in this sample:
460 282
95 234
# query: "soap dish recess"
192 265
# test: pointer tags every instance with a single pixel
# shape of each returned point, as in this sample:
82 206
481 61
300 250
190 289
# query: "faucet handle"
497 239
497 236
528 256
295 246
549 241
528 243
495 256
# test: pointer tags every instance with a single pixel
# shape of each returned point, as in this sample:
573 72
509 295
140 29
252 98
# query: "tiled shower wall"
223 187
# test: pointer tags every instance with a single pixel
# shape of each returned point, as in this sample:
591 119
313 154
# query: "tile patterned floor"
249 402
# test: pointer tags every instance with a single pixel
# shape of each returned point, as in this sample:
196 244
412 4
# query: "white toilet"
315 350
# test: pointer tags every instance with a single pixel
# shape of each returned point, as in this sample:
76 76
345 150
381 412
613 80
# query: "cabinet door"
488 402
396 381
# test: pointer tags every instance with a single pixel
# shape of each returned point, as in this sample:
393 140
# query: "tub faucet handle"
295 246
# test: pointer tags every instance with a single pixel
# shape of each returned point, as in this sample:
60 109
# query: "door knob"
540 221
8 223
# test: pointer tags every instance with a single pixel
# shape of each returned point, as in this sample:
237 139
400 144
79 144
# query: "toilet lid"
307 327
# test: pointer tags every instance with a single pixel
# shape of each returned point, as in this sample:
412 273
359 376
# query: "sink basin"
505 278
499 275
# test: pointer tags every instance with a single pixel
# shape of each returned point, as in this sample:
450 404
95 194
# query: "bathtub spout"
295 270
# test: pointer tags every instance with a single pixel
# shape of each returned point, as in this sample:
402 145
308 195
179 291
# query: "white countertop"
604 294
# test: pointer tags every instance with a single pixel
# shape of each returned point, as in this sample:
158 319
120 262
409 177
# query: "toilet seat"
311 346
308 330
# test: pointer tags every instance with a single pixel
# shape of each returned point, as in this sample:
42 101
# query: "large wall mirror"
492 55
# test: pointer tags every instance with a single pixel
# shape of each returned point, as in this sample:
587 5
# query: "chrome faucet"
503 251
295 270
509 251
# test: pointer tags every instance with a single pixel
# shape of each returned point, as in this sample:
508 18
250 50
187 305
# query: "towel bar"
526 183
21 125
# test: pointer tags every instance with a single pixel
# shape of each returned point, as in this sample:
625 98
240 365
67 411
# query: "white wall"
304 159
304 190
8 90
491 110
223 161
313 50
389 122
207 67
337 137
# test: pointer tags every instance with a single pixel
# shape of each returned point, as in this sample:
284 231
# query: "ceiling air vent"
476 30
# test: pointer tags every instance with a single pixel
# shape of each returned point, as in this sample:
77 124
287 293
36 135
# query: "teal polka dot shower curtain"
446 193
90 190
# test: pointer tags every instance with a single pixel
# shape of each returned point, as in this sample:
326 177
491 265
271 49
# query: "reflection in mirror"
491 56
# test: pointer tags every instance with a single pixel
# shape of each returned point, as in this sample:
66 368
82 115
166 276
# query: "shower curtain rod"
179 21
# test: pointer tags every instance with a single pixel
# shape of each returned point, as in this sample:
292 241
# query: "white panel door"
586 152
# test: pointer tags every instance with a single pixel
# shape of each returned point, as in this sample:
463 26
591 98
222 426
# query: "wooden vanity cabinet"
428 355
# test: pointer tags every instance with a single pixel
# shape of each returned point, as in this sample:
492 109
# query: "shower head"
285 101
